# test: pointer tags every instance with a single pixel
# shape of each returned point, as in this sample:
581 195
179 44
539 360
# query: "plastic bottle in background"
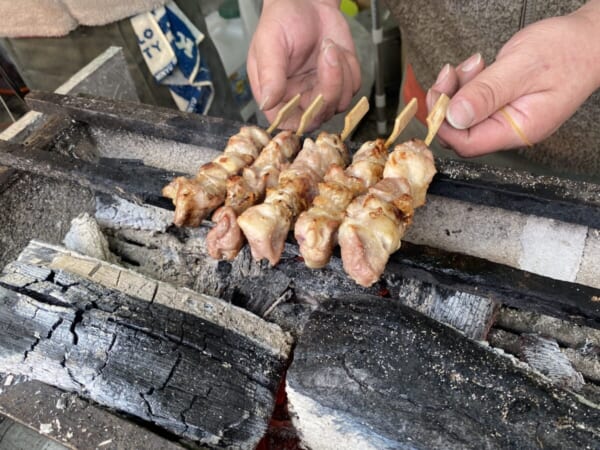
250 13
229 34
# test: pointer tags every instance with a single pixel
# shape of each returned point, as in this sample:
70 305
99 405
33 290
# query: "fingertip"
470 68
269 65
271 95
330 52
264 102
447 81
431 97
470 63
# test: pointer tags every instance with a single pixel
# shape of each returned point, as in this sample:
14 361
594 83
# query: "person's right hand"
537 81
303 47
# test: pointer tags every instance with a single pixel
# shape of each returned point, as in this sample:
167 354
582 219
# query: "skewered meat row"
375 222
266 225
316 229
195 199
225 240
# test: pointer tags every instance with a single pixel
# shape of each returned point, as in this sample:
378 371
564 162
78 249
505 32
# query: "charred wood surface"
385 376
524 290
7 177
460 290
561 199
54 129
201 371
73 421
128 179
139 118
35 207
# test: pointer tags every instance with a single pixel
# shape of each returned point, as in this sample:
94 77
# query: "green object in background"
349 7
229 9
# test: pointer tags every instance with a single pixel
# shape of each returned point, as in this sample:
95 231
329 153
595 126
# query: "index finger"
267 69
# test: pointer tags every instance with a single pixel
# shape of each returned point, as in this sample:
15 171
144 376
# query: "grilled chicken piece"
376 222
316 229
414 161
266 225
194 199
226 239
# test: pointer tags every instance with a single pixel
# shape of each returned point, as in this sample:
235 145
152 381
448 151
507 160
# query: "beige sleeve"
52 18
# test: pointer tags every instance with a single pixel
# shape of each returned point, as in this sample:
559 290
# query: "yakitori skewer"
316 228
225 239
196 198
376 221
267 225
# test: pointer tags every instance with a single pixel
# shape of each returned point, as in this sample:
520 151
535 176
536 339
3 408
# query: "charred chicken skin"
195 199
266 226
375 222
316 229
226 239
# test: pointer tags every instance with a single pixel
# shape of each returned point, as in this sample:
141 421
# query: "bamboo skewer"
316 228
195 198
267 225
436 117
310 114
401 121
226 239
284 113
354 117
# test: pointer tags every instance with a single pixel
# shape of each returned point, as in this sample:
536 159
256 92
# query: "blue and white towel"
169 43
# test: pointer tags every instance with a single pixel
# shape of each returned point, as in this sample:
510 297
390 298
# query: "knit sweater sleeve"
52 18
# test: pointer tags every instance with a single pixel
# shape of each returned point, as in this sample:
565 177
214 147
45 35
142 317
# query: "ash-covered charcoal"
136 345
35 207
567 353
377 374
544 355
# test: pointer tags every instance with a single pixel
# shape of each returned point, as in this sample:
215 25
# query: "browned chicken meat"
195 199
316 229
375 222
266 225
226 239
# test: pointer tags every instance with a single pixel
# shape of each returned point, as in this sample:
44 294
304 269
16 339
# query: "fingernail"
330 52
264 102
443 74
431 98
460 114
471 63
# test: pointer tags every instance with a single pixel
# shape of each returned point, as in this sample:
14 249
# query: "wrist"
589 14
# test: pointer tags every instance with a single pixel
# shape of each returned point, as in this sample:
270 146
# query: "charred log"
384 376
186 363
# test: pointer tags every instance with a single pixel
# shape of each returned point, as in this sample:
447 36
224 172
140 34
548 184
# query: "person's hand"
540 77
303 47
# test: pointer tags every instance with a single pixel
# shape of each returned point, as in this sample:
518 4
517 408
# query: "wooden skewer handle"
353 118
284 113
436 117
401 121
310 114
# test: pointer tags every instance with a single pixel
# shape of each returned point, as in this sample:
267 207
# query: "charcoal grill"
171 344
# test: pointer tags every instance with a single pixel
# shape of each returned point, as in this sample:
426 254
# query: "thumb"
493 88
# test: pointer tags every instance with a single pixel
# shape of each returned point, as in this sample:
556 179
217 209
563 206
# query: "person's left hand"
540 77
303 47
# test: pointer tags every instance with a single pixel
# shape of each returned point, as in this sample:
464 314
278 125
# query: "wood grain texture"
188 374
